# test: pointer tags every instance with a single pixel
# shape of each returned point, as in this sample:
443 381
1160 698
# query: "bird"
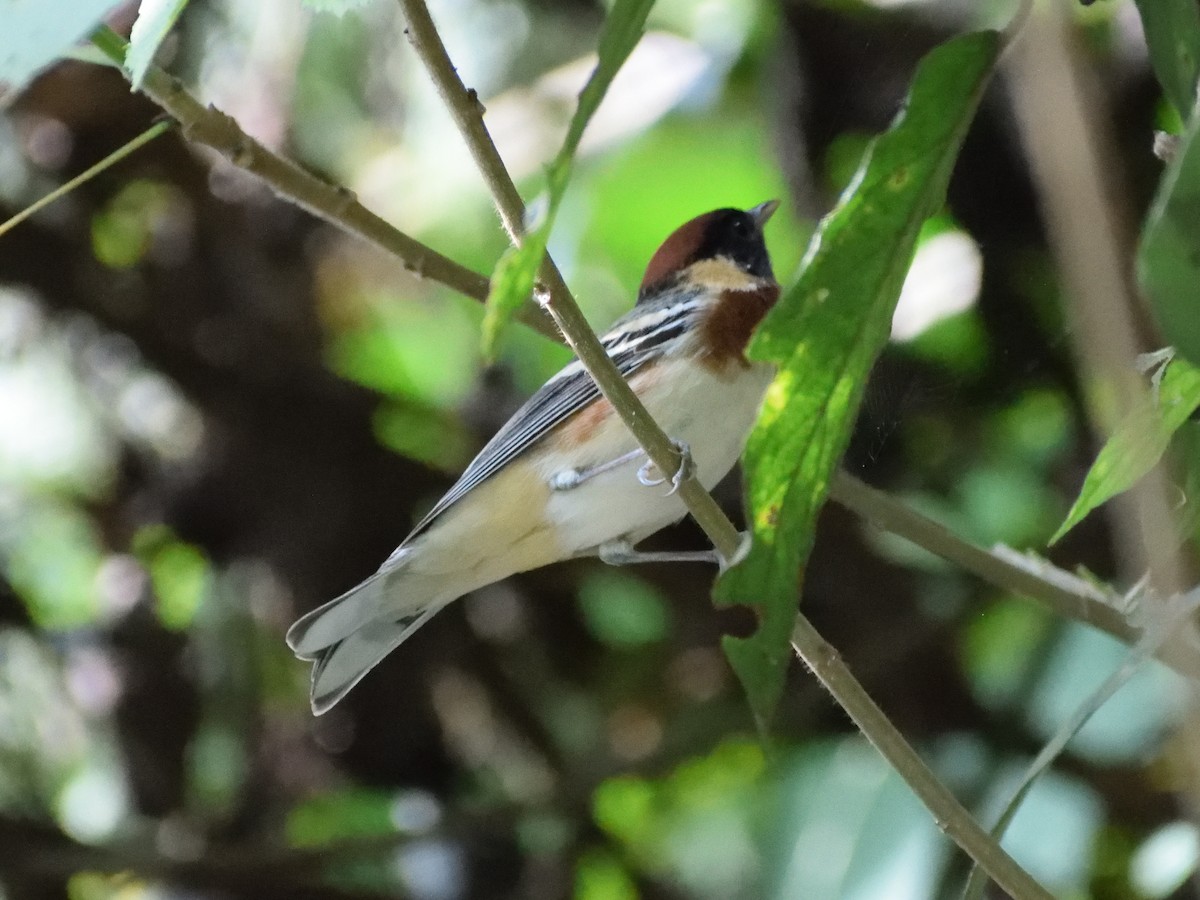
564 477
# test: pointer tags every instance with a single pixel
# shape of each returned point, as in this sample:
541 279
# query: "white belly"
710 413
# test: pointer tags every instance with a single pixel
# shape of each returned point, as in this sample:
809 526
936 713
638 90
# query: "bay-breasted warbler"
564 477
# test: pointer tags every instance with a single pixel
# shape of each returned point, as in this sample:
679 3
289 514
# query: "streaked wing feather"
555 401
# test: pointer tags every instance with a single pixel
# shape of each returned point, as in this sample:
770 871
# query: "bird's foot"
687 468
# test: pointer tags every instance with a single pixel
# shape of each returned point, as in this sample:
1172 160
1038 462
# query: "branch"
333 204
1060 591
246 868
466 109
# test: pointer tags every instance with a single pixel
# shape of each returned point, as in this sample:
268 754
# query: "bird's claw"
687 468
743 550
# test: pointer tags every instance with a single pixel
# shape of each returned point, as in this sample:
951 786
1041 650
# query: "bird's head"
723 249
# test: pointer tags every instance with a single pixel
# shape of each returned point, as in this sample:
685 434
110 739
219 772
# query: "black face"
736 235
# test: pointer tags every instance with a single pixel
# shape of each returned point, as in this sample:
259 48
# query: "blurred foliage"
696 824
622 610
179 573
335 816
215 413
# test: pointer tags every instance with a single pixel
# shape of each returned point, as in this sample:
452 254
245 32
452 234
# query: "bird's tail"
349 635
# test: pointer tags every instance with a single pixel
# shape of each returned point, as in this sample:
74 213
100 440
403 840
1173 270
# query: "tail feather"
341 666
338 619
349 635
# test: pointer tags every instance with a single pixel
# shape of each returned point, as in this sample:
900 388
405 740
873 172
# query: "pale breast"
710 411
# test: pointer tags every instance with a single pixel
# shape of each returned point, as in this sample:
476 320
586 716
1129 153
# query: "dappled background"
217 412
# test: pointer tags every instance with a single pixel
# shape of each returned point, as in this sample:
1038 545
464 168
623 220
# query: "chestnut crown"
734 235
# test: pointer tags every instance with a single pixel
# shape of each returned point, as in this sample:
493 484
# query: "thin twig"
1157 634
888 514
62 190
466 110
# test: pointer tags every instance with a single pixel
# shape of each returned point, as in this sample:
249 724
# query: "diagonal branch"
1060 591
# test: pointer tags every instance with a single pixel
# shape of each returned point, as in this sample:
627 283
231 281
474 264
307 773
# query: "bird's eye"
740 228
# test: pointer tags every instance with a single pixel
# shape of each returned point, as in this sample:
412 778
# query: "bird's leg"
687 468
620 552
572 478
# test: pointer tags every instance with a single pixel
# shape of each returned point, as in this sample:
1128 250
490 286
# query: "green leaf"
1173 36
1187 445
824 336
155 18
513 277
511 284
1138 443
1168 260
37 32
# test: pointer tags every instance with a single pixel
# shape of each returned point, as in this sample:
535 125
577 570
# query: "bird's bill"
763 212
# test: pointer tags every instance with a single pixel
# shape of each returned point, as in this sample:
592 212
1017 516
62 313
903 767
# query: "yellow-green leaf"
1139 442
825 335
513 277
